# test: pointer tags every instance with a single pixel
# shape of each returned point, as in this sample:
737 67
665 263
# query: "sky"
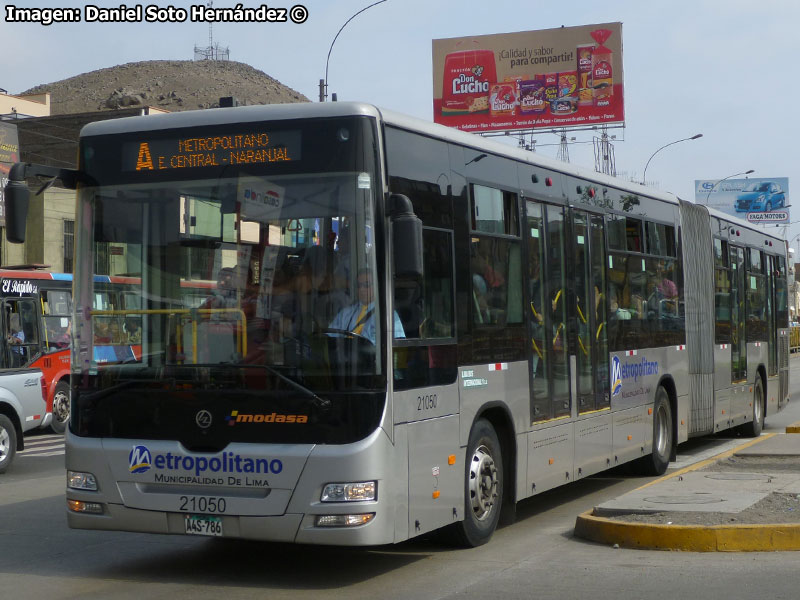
723 68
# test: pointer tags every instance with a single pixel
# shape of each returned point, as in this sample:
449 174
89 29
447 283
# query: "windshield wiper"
320 403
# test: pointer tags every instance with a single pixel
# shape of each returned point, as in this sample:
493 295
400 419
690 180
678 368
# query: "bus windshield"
259 285
240 271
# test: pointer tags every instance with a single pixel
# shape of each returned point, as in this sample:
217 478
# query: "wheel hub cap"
61 407
4 443
482 483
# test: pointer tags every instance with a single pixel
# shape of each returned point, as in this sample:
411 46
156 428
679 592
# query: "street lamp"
644 175
323 83
723 179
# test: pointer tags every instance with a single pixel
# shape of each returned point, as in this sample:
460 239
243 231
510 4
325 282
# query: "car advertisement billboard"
756 199
565 77
9 154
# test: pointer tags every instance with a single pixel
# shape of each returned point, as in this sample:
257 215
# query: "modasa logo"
140 459
237 417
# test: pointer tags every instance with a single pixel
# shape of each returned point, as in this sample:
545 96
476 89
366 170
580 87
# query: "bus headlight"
81 481
349 492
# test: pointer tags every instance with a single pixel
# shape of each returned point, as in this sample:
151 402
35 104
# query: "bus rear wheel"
754 427
60 408
657 461
483 493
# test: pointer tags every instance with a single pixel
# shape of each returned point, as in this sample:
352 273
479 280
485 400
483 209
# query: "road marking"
44 445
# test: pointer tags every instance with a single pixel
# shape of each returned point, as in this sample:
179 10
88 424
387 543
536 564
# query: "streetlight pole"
723 179
323 83
644 175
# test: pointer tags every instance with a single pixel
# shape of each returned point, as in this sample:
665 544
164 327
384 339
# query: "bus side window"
427 311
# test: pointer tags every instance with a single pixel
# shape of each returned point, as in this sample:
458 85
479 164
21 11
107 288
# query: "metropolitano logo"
616 376
140 459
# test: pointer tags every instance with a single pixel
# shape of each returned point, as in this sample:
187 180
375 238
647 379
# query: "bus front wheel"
483 486
60 408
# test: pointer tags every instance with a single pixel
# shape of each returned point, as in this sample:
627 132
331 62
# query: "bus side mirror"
406 238
16 201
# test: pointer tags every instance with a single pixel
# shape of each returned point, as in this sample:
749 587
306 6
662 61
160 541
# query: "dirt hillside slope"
173 85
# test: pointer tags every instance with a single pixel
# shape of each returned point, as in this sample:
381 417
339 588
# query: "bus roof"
303 110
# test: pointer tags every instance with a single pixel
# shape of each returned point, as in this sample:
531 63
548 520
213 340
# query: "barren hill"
173 85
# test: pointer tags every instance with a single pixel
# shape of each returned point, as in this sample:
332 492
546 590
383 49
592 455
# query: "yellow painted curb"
691 538
707 538
793 428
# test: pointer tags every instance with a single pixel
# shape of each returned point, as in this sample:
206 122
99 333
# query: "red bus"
35 320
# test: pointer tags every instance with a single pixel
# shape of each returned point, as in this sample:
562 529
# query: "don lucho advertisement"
571 76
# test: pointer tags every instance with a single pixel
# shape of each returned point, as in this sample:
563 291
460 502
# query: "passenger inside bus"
326 292
224 296
15 333
133 333
16 337
101 332
115 332
58 337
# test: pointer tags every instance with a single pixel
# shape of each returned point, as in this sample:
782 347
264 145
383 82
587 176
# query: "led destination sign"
247 148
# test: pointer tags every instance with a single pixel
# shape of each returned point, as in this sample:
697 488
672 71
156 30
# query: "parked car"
760 196
22 407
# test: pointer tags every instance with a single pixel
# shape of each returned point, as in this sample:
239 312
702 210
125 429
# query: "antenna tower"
563 148
212 51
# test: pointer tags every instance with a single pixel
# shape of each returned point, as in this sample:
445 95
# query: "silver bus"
411 328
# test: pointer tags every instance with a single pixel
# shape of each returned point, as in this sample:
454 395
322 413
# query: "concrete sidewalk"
721 504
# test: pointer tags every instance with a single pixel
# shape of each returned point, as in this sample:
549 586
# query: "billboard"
757 199
565 77
9 154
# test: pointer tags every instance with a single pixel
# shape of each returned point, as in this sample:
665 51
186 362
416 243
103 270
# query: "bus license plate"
203 525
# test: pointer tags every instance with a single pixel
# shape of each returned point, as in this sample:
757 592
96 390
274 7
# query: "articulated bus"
413 328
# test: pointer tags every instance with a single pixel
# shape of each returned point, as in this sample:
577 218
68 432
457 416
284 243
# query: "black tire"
8 443
657 461
61 398
754 428
483 487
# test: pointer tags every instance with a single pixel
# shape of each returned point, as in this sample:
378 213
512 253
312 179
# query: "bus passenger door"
549 365
551 449
738 346
591 352
593 428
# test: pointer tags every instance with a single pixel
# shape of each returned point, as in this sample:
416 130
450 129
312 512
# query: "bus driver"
359 316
